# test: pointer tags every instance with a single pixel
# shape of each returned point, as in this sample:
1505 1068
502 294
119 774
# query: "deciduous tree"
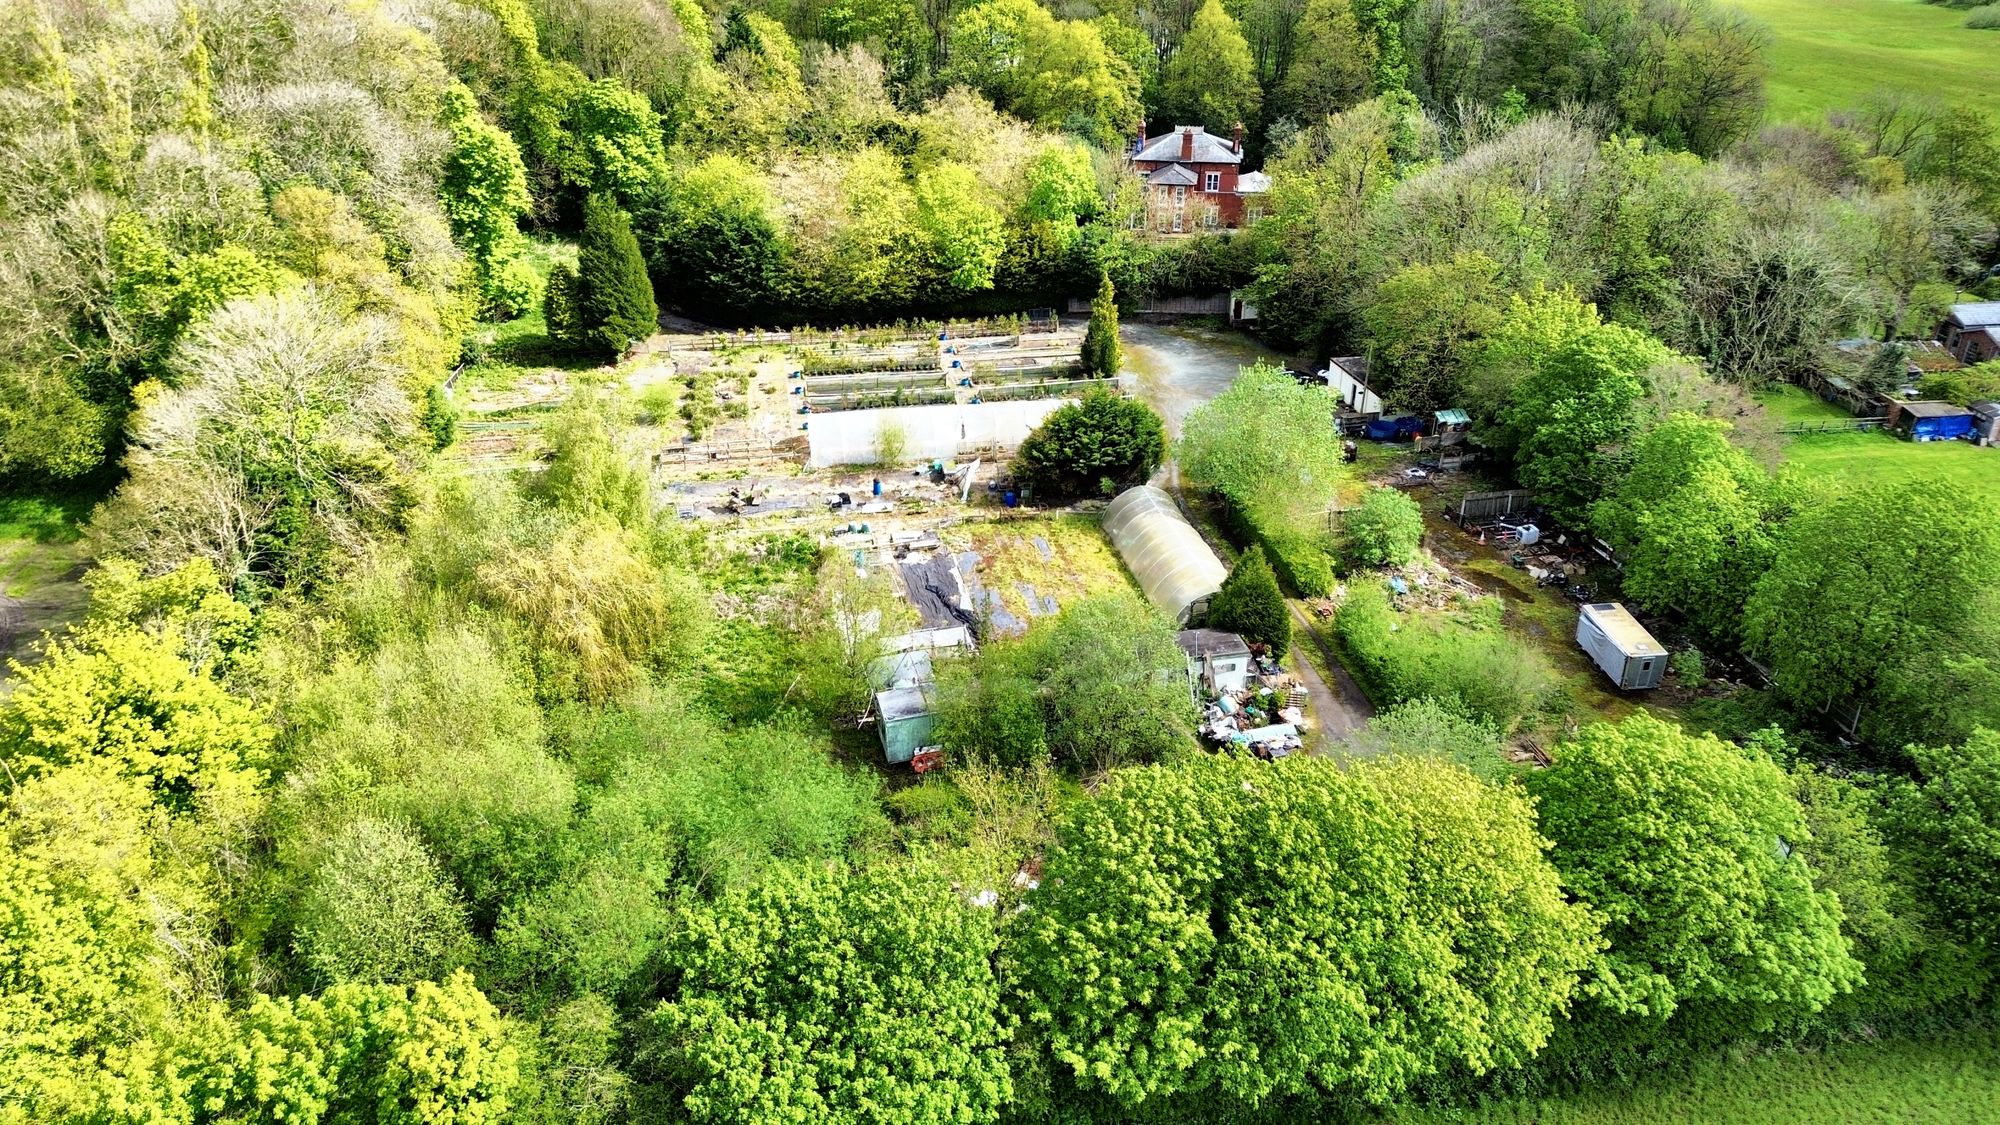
839 997
1687 846
1882 598
1385 529
1256 932
1211 80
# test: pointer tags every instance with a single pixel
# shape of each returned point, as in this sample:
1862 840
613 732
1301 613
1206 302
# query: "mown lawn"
1871 457
1829 54
1949 1080
1858 458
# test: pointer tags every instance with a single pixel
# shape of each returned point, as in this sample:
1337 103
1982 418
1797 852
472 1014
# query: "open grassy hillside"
1826 54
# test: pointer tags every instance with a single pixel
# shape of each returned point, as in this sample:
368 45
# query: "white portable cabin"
1621 646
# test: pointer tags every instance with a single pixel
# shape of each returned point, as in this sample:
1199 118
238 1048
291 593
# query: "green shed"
905 718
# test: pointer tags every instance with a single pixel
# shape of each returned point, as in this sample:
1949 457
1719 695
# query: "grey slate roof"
1173 175
1977 314
1208 148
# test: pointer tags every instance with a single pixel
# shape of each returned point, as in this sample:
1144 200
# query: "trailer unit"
1621 646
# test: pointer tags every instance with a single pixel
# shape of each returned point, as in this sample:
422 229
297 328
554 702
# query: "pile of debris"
1263 716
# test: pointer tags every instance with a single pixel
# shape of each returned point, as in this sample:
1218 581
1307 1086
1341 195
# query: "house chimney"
1187 143
1236 140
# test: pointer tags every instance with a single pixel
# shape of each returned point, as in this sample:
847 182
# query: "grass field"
1866 457
1829 54
1910 1082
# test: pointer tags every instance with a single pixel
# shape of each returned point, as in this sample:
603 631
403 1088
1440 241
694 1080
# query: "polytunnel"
1164 551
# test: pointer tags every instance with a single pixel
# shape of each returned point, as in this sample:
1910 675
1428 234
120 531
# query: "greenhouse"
1165 553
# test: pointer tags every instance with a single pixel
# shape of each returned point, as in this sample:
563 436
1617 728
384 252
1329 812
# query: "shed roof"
1208 148
902 703
1624 629
1164 552
1454 417
1253 183
1977 314
1932 409
1198 643
1986 409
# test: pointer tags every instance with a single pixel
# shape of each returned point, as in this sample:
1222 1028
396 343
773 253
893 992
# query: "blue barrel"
1010 499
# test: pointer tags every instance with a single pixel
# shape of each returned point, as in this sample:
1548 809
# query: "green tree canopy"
1331 68
1103 684
1257 931
1268 444
1105 438
1883 597
1385 529
965 231
1688 848
615 303
1573 408
1211 80
1951 817
380 910
1691 522
838 997
1251 605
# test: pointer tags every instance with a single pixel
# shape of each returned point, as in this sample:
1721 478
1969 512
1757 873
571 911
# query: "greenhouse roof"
1174 566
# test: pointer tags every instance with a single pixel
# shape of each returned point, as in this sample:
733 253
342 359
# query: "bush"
1082 445
1468 664
1985 18
1302 560
1251 605
1428 728
1385 530
1689 667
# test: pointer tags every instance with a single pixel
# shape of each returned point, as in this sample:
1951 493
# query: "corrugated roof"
1174 566
1977 314
1624 629
1208 148
1173 175
1198 643
1454 417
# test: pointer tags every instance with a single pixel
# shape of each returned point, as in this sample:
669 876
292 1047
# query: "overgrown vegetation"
367 789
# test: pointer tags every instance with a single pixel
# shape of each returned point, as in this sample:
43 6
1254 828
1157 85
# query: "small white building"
1621 646
1347 380
1219 662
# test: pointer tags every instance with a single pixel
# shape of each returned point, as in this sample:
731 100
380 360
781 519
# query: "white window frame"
1213 180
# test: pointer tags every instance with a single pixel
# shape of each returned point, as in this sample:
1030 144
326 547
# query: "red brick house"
1972 332
1192 180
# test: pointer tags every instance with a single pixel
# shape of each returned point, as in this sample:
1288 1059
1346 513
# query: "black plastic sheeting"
934 587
